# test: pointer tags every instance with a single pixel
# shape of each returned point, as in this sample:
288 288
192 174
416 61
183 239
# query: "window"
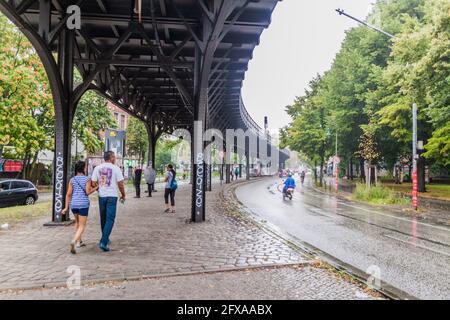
116 116
19 184
122 122
4 185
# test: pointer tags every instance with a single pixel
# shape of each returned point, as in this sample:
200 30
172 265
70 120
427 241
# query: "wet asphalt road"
411 255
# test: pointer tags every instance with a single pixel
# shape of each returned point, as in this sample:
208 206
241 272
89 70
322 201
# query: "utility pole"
336 164
415 192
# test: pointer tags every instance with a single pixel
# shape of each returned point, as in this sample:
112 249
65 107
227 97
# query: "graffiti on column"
59 184
199 184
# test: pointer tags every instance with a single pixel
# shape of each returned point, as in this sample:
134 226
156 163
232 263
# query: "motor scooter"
289 193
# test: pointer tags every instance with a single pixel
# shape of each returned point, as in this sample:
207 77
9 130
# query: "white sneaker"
80 244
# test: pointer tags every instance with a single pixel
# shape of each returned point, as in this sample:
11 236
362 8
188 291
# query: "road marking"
417 245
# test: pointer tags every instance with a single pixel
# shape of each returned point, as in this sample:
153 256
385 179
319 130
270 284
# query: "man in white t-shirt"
109 178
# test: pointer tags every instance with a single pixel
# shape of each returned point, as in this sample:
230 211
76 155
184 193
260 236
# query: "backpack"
173 184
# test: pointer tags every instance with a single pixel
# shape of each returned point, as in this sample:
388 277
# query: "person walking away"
170 188
302 176
236 172
109 180
137 181
150 176
77 198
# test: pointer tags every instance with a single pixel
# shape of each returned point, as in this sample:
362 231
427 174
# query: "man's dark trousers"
150 188
137 182
108 208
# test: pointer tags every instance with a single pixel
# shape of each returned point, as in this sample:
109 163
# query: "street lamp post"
415 192
336 164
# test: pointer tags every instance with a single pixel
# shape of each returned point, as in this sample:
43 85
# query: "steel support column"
150 126
213 23
63 123
227 173
247 166
197 147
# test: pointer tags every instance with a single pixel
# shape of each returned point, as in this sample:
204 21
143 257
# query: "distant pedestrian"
77 198
170 187
108 178
302 176
137 181
150 176
236 172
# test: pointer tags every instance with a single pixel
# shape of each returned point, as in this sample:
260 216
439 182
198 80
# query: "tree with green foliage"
26 107
92 117
418 72
164 152
137 140
308 133
367 94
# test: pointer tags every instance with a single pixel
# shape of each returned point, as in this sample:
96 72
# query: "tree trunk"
363 170
369 174
357 170
396 174
315 172
351 169
322 161
347 171
321 174
33 167
402 175
26 163
375 176
421 175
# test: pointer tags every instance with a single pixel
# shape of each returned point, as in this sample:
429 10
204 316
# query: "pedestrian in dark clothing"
137 181
170 189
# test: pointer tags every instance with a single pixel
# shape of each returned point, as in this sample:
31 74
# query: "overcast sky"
302 40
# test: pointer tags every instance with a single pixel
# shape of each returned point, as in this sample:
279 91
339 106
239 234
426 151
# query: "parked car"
17 192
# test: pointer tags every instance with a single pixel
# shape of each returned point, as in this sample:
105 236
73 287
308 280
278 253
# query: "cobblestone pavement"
145 241
287 283
168 250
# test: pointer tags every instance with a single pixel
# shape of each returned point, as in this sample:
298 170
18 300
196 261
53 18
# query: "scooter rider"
289 183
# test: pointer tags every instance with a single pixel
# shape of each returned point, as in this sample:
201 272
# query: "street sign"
10 165
115 141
